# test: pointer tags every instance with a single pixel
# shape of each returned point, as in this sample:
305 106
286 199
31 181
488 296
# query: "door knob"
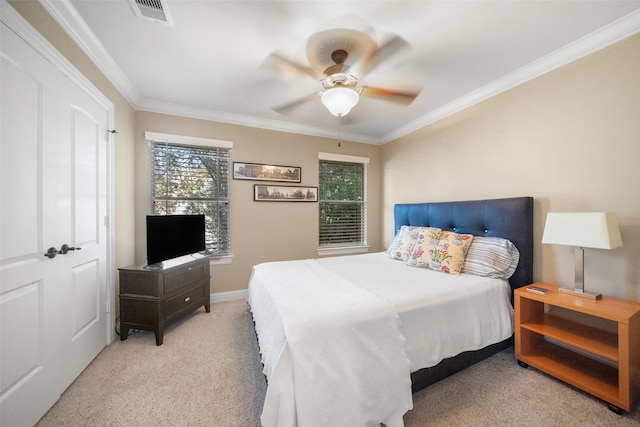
64 249
51 253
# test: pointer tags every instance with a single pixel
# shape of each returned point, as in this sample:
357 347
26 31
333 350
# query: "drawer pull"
187 299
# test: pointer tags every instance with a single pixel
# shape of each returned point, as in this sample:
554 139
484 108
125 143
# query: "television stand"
152 298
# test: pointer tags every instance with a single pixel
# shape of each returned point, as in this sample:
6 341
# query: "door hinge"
106 221
108 307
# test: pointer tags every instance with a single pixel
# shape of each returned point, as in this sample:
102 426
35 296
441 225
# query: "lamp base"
582 294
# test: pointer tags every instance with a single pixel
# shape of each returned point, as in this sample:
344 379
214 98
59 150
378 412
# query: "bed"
346 340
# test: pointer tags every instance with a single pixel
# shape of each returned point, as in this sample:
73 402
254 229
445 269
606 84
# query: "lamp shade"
340 100
584 229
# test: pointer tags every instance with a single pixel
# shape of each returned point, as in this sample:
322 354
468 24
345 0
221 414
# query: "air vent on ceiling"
155 10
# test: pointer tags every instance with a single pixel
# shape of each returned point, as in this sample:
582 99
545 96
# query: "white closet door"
53 182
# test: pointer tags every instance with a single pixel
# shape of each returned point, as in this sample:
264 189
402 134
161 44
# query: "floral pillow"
406 240
443 251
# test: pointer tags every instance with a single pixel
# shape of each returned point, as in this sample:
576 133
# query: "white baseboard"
228 296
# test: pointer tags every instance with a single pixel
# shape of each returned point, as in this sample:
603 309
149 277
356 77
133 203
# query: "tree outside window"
342 203
189 180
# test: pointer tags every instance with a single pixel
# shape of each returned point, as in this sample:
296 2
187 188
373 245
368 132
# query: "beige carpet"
208 372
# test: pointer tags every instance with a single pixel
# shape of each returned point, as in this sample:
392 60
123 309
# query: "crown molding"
72 23
161 107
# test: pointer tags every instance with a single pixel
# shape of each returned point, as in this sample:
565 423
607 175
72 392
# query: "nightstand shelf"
587 374
593 340
603 363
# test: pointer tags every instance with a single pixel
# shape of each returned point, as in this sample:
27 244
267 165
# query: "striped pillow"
491 257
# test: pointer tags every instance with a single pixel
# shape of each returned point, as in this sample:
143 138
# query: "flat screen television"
172 236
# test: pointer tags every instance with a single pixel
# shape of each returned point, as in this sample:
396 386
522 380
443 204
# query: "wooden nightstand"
604 363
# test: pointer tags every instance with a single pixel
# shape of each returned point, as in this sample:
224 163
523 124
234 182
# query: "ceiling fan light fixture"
340 100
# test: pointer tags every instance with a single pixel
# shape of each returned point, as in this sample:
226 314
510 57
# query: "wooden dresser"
153 297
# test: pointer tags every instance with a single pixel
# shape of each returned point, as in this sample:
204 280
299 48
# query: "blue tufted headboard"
507 218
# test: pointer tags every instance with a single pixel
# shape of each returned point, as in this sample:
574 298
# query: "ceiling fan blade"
403 97
390 47
285 64
285 108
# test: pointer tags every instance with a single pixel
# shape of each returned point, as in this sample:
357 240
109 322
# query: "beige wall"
260 231
570 139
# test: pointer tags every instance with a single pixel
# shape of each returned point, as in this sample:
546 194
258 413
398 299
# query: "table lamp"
583 230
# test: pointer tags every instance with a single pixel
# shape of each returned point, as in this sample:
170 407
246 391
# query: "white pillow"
491 257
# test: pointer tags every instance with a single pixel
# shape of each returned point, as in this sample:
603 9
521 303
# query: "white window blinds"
193 180
342 203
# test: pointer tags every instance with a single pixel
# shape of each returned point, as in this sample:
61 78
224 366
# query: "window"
342 201
193 179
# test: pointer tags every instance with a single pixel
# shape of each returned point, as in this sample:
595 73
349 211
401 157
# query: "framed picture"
260 172
284 193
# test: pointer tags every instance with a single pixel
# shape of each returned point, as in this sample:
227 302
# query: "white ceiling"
211 62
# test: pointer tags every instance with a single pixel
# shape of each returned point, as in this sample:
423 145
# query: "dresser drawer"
139 312
185 277
186 301
141 282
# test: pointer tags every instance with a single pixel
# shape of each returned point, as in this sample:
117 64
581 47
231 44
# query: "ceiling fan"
339 59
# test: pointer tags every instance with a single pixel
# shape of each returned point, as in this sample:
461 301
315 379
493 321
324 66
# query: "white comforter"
340 336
